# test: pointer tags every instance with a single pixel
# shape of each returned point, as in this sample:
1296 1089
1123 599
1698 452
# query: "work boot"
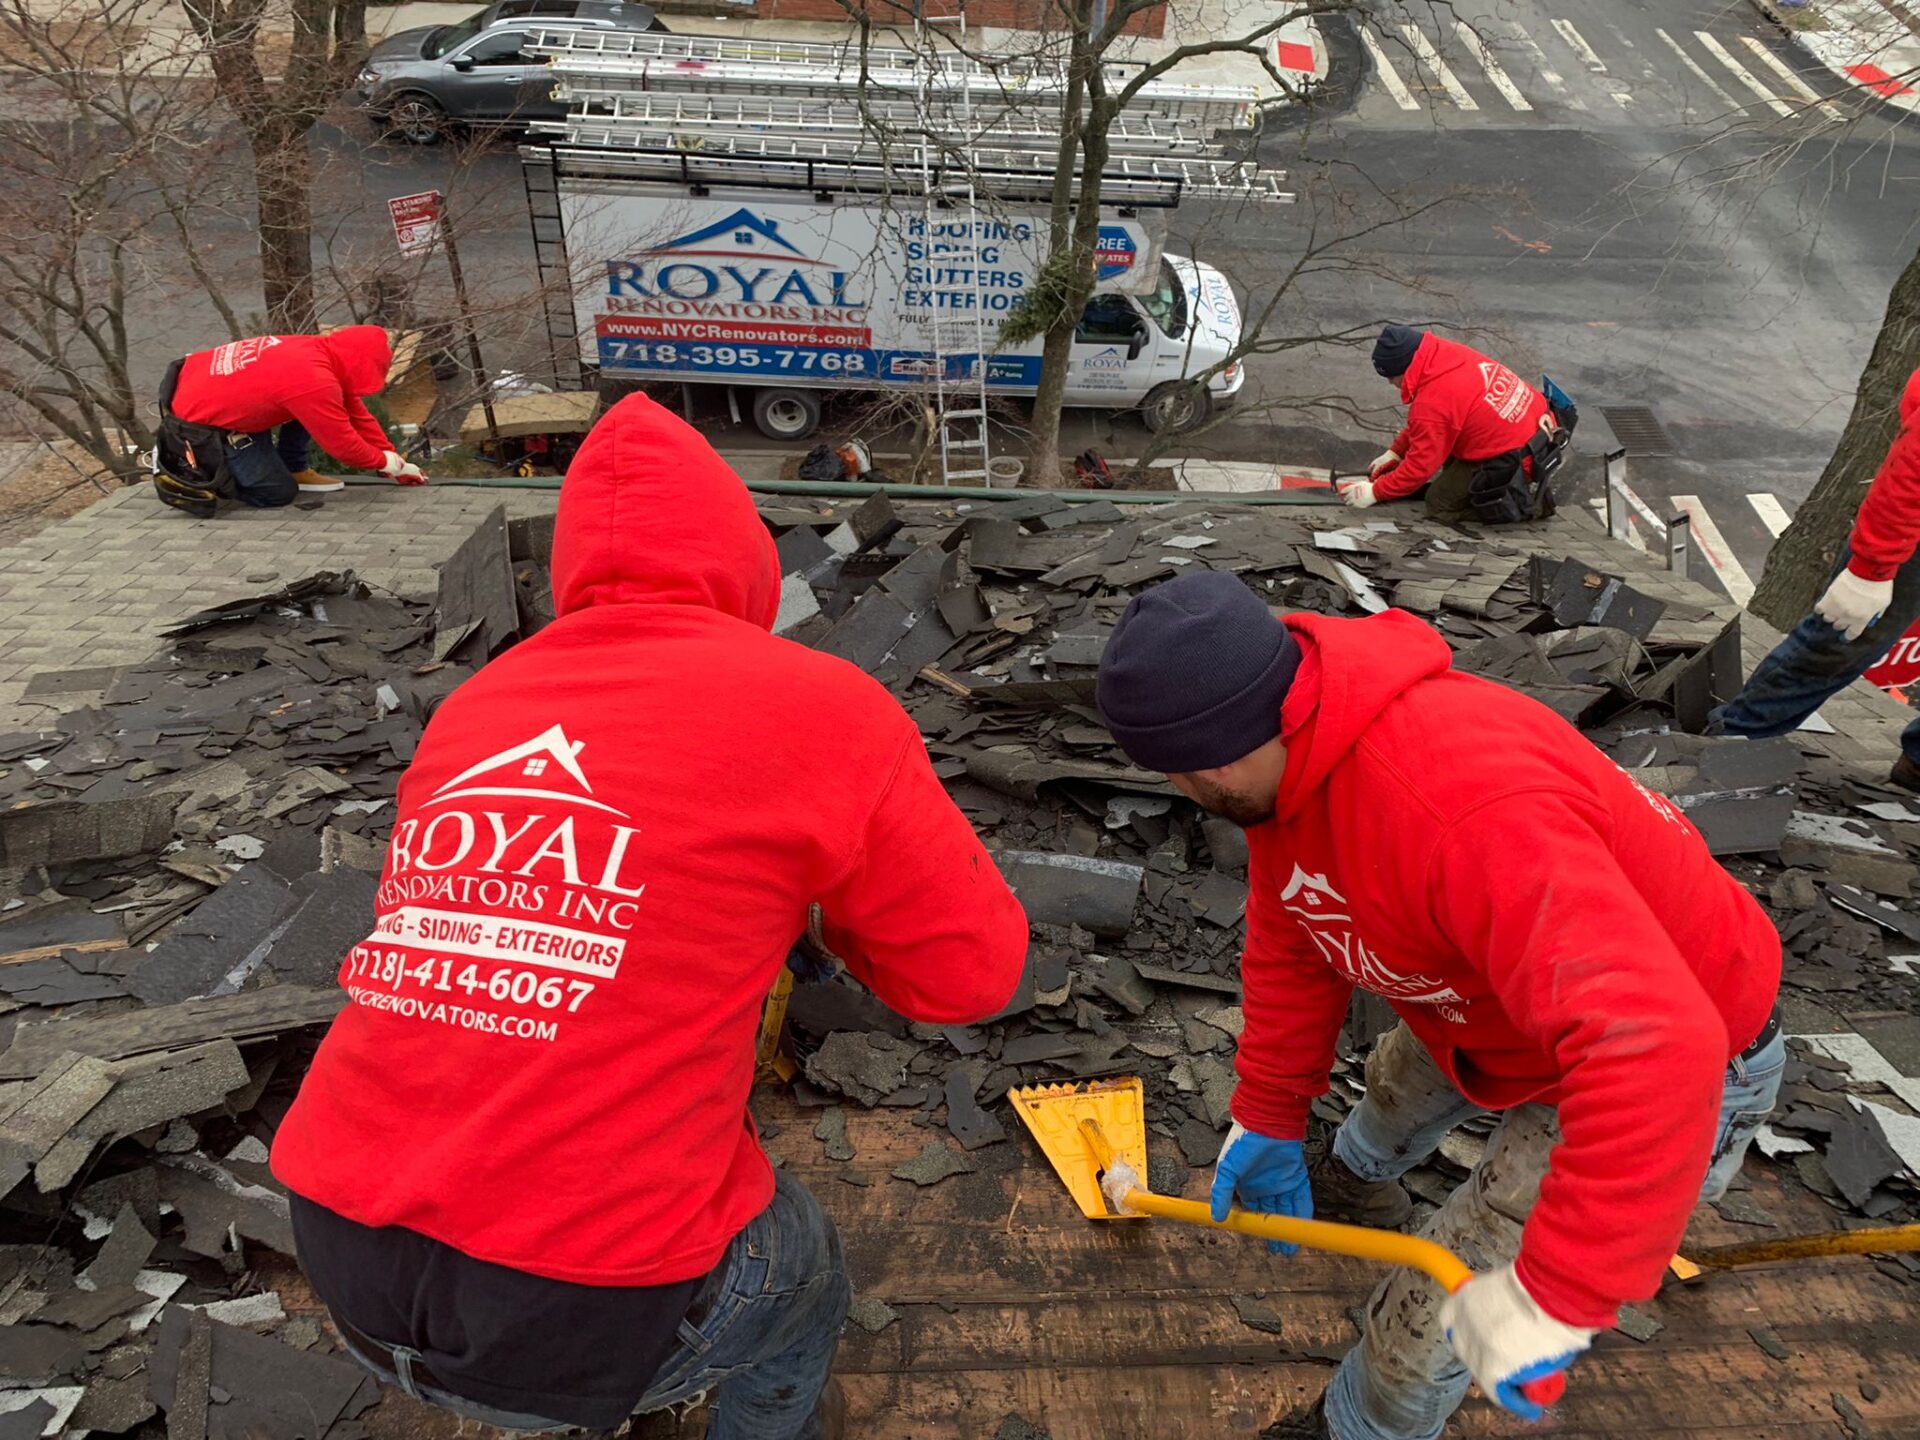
1308 1424
1339 1194
830 1412
312 482
1905 774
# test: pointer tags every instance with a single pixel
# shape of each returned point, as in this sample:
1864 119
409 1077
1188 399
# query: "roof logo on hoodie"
234 356
548 757
1323 913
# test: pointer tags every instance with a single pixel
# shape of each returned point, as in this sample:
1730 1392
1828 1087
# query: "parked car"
419 83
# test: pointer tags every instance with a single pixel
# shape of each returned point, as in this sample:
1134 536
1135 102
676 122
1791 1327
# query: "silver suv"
419 83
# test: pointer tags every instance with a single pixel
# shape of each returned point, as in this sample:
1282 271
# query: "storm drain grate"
1635 427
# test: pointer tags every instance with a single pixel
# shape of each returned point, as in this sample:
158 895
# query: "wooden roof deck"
1010 1303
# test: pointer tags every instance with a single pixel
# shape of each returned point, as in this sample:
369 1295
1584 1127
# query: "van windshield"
448 36
1167 303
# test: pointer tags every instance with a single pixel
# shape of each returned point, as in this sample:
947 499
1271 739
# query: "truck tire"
1174 406
785 414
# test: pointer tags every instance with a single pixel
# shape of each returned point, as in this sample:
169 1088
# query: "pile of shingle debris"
186 860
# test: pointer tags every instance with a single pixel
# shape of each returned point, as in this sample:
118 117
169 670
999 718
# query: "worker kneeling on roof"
525 1180
1479 440
237 422
1556 940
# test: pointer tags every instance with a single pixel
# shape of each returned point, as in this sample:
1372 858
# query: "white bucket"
1004 471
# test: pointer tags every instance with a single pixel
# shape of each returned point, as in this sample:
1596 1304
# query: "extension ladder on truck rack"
589 69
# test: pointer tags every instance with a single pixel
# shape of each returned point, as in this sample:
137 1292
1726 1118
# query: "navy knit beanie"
1194 674
1393 352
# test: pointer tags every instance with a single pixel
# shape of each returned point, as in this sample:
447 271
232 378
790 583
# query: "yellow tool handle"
1883 1241
1423 1255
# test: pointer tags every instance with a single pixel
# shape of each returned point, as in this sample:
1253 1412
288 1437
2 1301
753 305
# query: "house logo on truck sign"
736 281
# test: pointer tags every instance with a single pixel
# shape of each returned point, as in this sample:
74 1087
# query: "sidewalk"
159 41
1871 44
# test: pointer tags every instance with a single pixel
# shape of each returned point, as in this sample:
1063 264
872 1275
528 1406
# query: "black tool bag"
1507 489
194 456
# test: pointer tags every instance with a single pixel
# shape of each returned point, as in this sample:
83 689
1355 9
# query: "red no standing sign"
1901 665
416 221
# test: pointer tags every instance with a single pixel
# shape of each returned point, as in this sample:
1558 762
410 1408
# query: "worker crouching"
525 1179
238 422
1557 942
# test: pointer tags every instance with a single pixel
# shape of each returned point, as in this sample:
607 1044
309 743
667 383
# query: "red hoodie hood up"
361 356
1547 928
650 514
605 847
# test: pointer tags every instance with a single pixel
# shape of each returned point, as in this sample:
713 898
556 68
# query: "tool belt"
190 470
1518 485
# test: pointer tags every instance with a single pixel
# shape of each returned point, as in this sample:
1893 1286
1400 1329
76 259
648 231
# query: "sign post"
420 223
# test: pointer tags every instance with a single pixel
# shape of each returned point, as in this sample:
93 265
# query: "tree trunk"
283 180
1798 565
1043 449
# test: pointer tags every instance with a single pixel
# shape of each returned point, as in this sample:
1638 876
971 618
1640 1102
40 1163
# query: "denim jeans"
760 1349
1402 1381
1815 662
262 465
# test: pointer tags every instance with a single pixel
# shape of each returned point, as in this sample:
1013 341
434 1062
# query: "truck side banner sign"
766 288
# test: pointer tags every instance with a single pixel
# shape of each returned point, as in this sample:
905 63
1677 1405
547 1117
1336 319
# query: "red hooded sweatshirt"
253 385
1887 529
604 849
1547 928
1460 405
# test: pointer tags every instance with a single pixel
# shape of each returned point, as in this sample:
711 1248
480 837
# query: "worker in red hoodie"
525 1179
1556 940
230 401
1469 419
1872 599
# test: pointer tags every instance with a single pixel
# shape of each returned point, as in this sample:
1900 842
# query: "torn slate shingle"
215 939
872 1315
971 1125
1257 1315
866 1067
831 1130
1095 894
934 1163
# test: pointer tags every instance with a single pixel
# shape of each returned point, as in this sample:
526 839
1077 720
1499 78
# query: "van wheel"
417 119
1174 406
785 414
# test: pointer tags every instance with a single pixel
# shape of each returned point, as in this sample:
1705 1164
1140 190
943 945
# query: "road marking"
1580 47
1740 72
1591 58
1713 548
1430 58
1704 78
1547 72
1794 82
1772 513
1389 77
1483 52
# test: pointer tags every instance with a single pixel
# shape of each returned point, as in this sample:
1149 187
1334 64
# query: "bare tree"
277 105
1803 556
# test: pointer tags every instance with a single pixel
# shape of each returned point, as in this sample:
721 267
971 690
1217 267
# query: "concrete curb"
1851 55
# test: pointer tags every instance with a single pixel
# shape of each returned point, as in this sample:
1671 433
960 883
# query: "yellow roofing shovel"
1095 1135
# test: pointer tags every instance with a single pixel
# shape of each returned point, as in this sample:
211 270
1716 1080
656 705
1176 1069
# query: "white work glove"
1852 604
1383 462
1507 1341
1357 493
401 471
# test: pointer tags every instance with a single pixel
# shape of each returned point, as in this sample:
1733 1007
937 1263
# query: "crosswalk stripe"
1430 57
1389 77
1477 44
1772 513
1547 72
1694 65
1794 82
1713 547
1740 72
1580 46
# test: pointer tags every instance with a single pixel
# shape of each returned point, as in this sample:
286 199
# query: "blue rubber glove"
1506 1340
1269 1177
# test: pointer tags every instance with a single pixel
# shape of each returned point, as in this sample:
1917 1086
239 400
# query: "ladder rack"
1126 182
